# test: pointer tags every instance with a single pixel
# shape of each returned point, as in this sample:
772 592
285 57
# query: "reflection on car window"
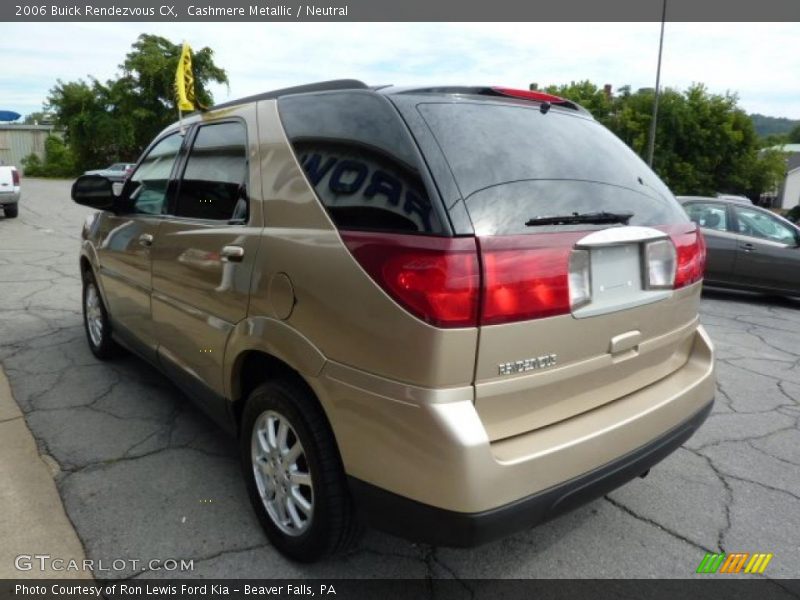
149 182
213 183
709 216
358 155
761 225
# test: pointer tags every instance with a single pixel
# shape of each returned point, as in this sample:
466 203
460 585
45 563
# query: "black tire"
103 347
11 211
333 526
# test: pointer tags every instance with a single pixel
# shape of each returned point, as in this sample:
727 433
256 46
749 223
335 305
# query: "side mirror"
93 191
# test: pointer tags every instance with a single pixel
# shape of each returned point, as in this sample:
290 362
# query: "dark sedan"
748 247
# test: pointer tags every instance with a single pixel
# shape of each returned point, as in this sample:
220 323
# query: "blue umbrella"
9 115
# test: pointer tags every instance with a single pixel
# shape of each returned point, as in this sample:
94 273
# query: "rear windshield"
513 163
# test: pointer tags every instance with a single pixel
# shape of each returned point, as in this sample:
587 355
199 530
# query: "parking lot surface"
145 476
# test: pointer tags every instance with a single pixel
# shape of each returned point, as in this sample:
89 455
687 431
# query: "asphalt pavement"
144 476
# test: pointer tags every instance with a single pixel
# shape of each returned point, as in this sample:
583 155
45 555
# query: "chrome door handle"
232 253
146 240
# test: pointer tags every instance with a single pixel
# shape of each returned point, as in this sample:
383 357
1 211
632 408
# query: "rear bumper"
423 455
424 523
9 198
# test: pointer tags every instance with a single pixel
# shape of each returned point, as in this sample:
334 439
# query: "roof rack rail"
322 86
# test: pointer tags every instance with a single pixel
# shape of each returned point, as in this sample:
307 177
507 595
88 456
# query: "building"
18 141
789 190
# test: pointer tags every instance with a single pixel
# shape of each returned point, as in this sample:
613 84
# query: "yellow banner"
184 80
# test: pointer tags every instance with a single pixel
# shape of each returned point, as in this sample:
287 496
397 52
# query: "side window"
149 182
761 225
361 160
710 216
214 182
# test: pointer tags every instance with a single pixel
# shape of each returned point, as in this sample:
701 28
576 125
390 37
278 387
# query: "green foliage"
705 143
766 126
32 166
774 139
58 160
585 93
114 121
793 137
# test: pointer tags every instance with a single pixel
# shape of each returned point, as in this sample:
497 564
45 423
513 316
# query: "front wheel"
95 320
294 474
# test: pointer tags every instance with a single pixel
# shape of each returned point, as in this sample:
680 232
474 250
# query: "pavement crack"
723 532
656 524
202 559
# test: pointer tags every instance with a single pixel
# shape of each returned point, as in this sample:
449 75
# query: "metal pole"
651 145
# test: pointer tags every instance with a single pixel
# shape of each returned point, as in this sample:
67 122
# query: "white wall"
791 189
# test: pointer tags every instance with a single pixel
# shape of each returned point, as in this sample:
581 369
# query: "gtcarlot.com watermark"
45 562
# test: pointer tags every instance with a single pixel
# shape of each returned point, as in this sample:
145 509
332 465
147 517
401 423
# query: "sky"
757 61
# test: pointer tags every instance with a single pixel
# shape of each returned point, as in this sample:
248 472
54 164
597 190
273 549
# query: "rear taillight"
436 279
525 277
440 280
691 251
15 176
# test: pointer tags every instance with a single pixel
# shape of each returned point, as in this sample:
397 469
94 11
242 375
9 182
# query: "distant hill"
769 125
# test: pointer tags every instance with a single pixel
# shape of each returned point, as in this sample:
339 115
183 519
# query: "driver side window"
150 181
758 224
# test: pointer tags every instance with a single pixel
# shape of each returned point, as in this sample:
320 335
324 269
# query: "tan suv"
449 313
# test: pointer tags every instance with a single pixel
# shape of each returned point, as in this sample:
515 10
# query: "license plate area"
616 274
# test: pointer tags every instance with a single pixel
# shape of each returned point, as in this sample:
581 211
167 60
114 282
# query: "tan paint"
438 452
197 296
587 374
124 272
281 296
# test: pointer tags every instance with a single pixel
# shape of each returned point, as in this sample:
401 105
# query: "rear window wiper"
577 218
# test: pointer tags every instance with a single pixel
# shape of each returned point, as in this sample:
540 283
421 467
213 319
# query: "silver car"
115 172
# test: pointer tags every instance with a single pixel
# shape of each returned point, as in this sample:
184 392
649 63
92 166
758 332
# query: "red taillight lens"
15 176
436 279
525 277
691 250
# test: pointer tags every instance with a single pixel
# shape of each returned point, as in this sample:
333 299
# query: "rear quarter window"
364 166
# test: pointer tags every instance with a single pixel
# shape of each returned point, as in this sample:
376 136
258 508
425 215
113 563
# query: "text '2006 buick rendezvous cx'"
449 313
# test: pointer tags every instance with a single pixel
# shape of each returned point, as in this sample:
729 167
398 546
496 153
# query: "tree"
794 135
114 121
587 94
58 160
146 91
705 143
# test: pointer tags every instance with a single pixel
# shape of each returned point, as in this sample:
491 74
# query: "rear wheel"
11 211
95 320
293 472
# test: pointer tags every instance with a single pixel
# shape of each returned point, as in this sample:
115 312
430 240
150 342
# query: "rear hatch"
588 263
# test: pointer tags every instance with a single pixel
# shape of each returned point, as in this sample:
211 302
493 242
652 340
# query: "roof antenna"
544 107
